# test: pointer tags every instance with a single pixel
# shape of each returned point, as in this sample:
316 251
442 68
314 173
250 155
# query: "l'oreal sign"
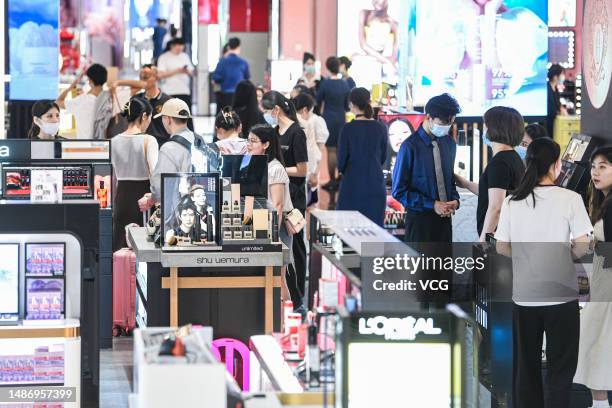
395 328
15 150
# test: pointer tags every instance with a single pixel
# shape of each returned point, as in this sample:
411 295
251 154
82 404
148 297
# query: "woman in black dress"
362 152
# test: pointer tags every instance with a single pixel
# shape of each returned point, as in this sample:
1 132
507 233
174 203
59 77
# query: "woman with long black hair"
536 226
246 106
263 140
280 113
134 156
595 371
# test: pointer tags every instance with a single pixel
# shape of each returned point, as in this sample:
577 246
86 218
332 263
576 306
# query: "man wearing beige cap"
175 155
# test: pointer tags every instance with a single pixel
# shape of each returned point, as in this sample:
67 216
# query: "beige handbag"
294 221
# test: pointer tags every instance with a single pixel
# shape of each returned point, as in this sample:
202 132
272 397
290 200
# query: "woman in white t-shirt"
540 225
263 140
317 134
134 155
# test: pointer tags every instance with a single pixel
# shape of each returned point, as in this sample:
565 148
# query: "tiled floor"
116 374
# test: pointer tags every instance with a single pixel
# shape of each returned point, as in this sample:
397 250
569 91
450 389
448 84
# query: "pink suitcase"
124 291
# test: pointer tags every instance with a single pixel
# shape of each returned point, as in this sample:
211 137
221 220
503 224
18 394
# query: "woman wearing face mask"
504 128
316 135
264 141
333 98
594 370
362 152
280 113
533 131
538 222
309 78
45 124
134 156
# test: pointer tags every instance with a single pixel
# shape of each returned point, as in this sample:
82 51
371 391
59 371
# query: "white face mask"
48 128
439 130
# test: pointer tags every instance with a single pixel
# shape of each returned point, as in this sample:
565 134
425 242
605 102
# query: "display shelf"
272 368
69 328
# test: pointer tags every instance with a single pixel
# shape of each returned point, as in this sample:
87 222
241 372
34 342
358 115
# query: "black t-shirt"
293 145
505 171
156 128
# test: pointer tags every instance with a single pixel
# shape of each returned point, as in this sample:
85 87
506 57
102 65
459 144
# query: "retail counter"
236 289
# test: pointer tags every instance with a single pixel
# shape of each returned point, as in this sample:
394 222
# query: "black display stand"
80 218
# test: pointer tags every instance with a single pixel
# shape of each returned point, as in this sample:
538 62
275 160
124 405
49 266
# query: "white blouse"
278 175
128 156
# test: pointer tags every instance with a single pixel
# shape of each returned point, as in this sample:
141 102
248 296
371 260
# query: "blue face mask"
522 152
486 141
310 69
271 120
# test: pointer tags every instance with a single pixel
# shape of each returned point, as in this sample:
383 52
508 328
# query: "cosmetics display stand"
40 319
234 288
76 169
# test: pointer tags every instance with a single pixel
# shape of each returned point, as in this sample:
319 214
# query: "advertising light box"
401 360
33 49
483 53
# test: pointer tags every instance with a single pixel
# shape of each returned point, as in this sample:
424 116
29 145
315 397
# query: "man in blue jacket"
423 177
230 70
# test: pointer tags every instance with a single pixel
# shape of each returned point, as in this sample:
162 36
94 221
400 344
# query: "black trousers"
297 276
427 227
561 323
187 99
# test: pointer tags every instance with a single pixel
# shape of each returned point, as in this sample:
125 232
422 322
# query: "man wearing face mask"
423 179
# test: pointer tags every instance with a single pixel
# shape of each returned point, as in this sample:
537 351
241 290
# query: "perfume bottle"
102 194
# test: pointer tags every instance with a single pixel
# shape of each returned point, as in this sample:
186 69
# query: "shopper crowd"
314 153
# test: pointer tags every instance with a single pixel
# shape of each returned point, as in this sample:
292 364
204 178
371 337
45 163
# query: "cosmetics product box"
235 198
260 223
227 194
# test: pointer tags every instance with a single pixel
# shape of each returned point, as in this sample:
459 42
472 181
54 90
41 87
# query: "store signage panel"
215 259
396 328
86 150
15 150
400 327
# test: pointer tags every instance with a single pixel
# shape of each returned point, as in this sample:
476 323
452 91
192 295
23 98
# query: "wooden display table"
230 282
